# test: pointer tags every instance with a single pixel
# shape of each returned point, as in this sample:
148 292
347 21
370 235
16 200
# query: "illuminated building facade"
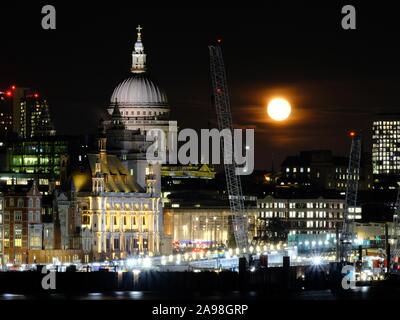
21 222
6 113
34 117
130 147
40 155
117 218
321 169
302 215
198 226
24 112
200 171
386 145
198 215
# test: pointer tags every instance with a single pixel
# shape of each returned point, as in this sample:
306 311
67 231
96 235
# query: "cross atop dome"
138 55
139 33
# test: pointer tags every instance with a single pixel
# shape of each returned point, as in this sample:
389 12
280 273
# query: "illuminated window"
17 235
44 182
85 219
35 239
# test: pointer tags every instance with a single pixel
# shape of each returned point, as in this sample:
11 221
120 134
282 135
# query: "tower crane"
353 175
395 250
224 119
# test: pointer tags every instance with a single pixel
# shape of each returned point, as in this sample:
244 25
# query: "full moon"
279 109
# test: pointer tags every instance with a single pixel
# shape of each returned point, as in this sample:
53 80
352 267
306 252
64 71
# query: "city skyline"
335 79
106 110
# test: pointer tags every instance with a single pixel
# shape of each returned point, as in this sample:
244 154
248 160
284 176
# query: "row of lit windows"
144 113
299 205
301 215
386 132
346 177
116 220
386 154
127 206
301 170
17 235
386 122
388 167
344 170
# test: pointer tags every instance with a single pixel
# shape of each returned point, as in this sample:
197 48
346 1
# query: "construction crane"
353 175
224 119
395 250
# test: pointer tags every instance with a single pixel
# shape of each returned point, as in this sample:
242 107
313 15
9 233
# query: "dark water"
361 293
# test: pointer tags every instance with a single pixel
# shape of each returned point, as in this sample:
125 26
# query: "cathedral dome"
140 101
138 91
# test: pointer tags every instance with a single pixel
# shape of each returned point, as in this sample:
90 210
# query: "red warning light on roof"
36 95
8 93
13 87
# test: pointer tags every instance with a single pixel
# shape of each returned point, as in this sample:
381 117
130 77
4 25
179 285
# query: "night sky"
336 80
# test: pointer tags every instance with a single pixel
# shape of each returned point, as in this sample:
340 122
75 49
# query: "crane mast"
395 251
353 175
224 119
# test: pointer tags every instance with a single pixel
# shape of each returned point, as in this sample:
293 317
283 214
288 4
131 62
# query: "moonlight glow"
279 109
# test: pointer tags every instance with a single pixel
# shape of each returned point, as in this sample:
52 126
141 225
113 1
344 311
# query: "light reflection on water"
9 296
117 295
358 293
